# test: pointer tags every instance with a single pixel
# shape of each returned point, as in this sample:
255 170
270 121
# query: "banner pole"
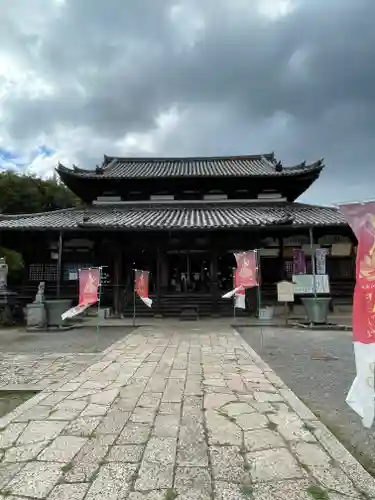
259 299
99 300
134 297
234 296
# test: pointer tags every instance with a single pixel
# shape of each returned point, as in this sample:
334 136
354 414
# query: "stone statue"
39 297
3 274
36 313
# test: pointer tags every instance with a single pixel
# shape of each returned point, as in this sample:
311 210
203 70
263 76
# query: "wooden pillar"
117 281
282 272
159 272
214 281
164 269
59 265
313 269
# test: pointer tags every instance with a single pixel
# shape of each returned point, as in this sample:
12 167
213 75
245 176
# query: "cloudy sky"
80 78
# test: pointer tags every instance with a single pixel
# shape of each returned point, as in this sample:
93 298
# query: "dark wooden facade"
132 222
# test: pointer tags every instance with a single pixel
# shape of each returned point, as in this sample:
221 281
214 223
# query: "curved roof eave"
298 170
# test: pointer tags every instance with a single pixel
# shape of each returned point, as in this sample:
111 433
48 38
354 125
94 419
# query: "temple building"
181 219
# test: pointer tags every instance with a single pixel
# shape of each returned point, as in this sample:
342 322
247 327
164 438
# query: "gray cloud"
301 84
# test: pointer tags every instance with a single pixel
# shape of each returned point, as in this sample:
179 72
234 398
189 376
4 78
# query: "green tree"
22 193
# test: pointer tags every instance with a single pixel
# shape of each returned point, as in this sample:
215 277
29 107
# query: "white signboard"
285 291
73 275
304 283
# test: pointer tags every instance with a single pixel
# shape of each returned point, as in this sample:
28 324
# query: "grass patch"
308 427
271 426
9 400
246 491
67 467
317 493
171 494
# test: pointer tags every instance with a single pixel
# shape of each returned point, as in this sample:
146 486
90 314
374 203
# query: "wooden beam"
59 265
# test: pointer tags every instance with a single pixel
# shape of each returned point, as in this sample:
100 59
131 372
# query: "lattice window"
288 266
42 272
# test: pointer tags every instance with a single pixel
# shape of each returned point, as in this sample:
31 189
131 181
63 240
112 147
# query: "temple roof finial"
279 166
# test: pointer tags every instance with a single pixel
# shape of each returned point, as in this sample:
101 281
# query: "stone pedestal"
54 309
36 316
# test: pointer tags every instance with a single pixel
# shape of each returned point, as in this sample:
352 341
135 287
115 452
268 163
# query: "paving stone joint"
173 412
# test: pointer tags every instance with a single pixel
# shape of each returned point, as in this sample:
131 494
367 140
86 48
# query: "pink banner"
246 271
89 285
361 218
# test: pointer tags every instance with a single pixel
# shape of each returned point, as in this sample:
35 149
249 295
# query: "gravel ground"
319 367
79 340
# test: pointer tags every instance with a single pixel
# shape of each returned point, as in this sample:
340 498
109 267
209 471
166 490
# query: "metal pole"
99 300
234 296
59 263
286 312
313 270
259 299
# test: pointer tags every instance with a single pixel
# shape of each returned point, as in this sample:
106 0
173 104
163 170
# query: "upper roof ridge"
155 159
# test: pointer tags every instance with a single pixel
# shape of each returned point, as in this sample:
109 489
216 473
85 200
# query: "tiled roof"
189 216
225 166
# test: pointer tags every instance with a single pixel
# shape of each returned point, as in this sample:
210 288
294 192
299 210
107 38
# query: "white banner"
230 294
146 300
304 284
240 302
320 260
74 311
361 394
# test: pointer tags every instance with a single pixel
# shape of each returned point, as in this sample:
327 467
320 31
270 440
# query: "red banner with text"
142 285
361 218
246 271
89 282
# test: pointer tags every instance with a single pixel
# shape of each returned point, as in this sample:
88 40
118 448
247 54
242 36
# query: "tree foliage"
22 193
13 259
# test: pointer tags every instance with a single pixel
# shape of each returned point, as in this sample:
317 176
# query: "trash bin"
316 308
54 309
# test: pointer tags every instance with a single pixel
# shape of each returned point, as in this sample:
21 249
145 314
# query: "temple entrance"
189 271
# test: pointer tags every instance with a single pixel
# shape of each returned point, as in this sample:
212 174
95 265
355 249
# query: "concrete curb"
354 470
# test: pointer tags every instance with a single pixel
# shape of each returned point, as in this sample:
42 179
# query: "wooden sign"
285 291
295 241
270 242
331 239
269 252
341 249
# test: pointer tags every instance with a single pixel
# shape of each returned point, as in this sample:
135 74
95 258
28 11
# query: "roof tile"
230 166
193 216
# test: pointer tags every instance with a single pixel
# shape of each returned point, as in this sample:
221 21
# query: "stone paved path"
42 370
174 413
